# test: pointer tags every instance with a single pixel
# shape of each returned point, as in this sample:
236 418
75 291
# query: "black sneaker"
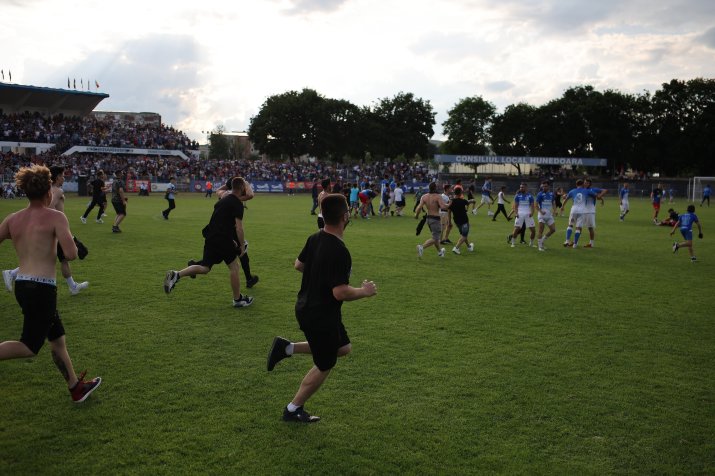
252 282
115 229
299 415
508 239
277 352
243 301
170 281
191 263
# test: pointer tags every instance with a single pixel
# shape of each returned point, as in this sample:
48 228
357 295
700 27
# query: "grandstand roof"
17 98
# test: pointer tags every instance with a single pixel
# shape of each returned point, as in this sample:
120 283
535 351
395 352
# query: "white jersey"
500 198
399 194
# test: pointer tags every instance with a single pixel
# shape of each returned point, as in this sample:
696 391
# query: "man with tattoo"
35 232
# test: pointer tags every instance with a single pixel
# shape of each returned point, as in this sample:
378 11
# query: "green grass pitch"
498 361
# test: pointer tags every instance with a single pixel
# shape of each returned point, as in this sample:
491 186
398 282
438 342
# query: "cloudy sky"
204 63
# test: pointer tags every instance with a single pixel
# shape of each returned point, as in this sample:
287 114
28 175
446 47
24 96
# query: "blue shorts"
687 234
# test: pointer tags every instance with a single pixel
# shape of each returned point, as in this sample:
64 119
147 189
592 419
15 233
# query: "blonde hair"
35 181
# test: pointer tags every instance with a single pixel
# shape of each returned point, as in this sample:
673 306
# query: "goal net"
695 187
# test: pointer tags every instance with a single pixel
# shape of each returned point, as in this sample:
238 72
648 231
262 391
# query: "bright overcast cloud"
203 63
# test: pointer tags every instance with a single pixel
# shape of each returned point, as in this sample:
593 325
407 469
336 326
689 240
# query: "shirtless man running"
434 202
35 232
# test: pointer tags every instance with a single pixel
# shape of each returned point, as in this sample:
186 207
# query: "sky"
206 63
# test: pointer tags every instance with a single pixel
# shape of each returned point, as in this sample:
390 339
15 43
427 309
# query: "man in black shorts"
326 264
119 200
36 232
99 198
219 243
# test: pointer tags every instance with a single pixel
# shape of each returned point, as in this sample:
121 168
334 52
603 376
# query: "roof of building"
17 98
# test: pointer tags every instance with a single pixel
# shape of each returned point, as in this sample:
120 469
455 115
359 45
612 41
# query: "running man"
433 202
486 196
36 232
655 196
170 197
325 263
501 198
99 198
545 201
219 243
685 223
458 206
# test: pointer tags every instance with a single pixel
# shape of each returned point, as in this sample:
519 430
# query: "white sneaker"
441 253
7 277
83 220
541 248
470 247
456 251
78 287
474 211
170 281
490 213
99 220
420 250
513 245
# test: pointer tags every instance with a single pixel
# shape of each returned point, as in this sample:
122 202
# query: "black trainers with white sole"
299 415
243 301
277 352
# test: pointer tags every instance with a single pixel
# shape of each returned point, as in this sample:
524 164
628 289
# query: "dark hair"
458 190
325 183
238 183
432 187
56 171
34 181
333 207
691 208
579 182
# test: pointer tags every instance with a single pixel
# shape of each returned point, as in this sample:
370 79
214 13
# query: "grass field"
504 360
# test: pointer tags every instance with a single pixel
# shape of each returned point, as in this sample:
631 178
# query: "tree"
405 125
287 124
218 144
467 126
512 132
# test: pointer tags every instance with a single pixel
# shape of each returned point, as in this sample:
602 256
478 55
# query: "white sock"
289 349
292 407
71 283
591 242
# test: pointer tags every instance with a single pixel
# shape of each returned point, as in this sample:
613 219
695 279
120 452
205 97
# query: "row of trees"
671 131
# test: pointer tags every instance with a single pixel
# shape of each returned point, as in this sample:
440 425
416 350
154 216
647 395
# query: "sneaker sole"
86 395
243 303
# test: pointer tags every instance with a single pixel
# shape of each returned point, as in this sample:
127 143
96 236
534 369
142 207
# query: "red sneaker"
83 389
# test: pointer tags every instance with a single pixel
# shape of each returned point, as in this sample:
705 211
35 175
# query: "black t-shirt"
97 186
222 225
327 264
459 210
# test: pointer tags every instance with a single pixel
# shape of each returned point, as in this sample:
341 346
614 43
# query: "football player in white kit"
523 206
545 204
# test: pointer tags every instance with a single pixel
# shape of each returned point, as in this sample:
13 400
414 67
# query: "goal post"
695 187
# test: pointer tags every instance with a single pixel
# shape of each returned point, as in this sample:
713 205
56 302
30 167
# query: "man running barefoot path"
35 233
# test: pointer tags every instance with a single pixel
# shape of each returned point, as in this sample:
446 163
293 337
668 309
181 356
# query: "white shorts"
486 199
546 218
589 220
624 206
520 220
576 220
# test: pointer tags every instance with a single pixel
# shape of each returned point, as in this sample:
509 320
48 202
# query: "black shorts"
401 203
216 251
119 207
39 306
324 345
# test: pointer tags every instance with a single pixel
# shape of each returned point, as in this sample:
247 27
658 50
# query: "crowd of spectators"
66 132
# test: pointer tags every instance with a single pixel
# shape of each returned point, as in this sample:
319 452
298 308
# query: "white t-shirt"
398 194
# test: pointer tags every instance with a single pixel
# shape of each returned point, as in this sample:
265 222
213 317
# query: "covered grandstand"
16 98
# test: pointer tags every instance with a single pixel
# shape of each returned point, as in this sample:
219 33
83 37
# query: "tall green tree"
406 124
219 148
512 132
467 126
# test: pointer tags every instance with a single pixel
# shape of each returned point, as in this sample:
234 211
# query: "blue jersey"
624 193
591 200
707 191
354 194
579 195
523 202
686 221
487 188
656 195
545 200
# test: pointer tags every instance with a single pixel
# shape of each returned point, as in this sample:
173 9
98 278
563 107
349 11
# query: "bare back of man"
433 203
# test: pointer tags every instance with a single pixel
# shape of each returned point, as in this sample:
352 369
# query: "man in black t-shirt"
459 206
99 198
326 264
219 243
